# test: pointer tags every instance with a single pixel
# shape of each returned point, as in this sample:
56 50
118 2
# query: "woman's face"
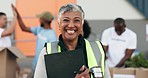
70 25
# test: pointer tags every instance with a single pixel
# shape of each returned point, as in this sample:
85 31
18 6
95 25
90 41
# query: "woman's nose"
71 24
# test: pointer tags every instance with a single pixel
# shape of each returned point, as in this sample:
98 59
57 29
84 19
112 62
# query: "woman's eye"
65 20
77 20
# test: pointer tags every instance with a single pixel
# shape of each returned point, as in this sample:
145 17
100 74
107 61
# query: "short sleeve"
1 31
105 36
35 30
133 42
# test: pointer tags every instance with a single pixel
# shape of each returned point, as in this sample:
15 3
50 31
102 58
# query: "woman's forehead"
75 14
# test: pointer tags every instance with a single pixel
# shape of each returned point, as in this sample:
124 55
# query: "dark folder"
63 64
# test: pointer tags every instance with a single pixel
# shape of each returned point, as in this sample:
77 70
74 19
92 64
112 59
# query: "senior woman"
70 20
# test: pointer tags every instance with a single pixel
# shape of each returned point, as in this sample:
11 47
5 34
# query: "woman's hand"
84 74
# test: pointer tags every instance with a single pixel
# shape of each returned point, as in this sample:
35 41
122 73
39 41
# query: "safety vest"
94 50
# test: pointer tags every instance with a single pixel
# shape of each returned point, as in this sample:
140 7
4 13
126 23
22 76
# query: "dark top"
80 45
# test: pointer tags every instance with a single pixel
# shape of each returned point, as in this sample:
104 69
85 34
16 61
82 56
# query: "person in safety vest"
70 20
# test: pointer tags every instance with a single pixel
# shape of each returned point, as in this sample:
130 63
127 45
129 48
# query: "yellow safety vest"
95 53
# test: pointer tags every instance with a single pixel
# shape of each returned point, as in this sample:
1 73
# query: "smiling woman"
70 20
71 26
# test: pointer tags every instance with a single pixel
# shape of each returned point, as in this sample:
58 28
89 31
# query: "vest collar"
80 43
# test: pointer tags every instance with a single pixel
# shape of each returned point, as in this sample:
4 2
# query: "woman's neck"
71 45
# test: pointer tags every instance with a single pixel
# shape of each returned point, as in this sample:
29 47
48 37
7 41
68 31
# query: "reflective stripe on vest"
95 53
103 56
53 47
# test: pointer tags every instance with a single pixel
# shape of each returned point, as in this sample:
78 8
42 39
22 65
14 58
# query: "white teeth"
70 31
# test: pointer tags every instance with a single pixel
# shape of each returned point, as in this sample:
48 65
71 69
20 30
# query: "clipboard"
63 64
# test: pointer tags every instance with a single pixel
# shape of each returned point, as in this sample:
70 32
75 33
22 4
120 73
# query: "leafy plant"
137 61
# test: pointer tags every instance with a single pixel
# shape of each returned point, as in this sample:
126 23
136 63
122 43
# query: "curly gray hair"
71 8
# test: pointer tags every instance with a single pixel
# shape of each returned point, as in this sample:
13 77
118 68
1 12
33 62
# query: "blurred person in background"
87 33
86 29
44 32
119 42
5 31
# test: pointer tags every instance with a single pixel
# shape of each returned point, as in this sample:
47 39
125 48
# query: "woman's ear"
59 25
82 33
59 29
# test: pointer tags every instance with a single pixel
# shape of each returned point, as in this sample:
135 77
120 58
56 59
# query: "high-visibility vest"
94 50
